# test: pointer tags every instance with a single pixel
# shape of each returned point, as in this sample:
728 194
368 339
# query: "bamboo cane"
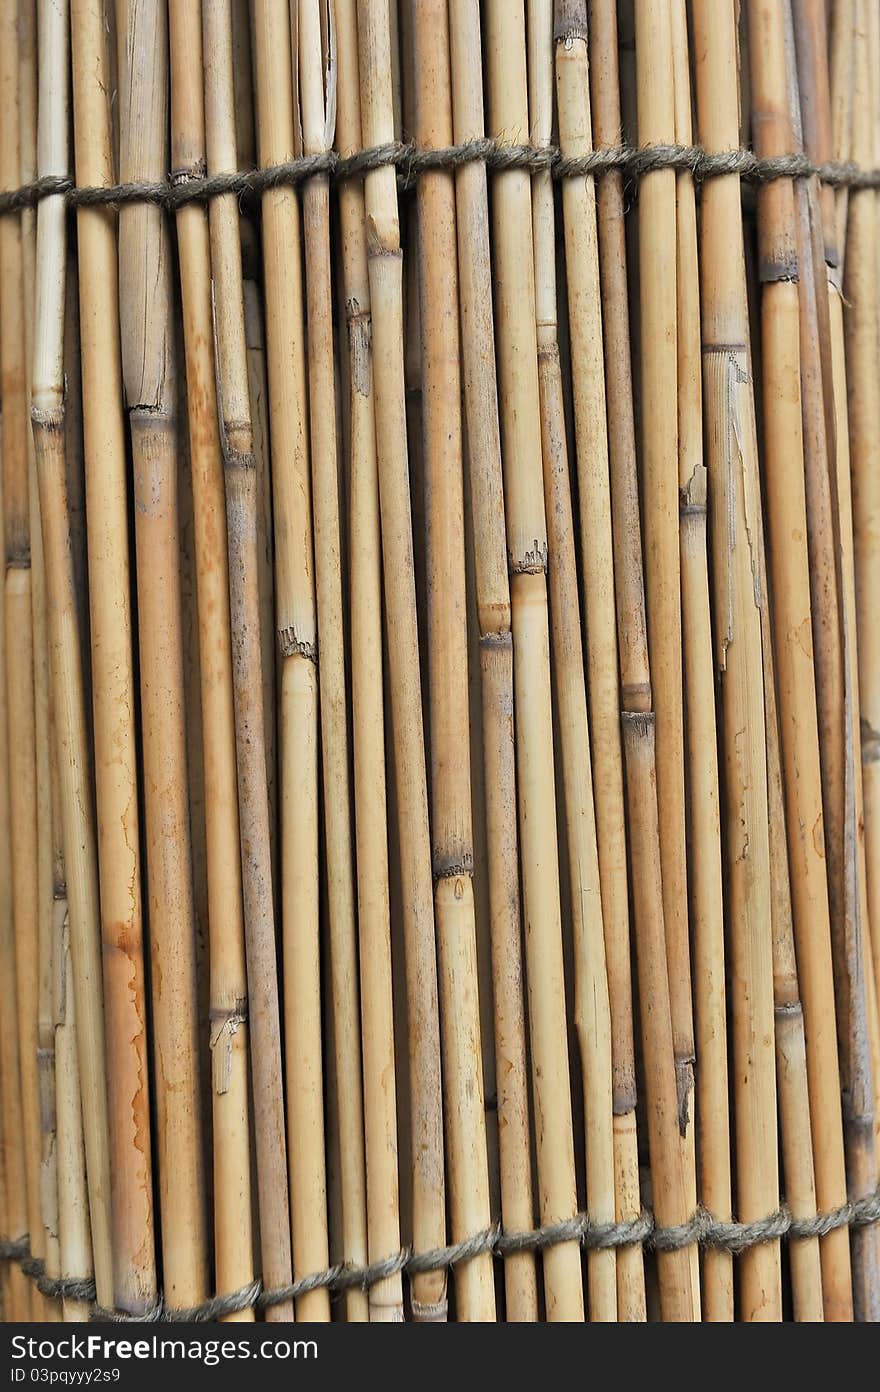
862 325
452 845
365 581
592 1014
242 526
496 658
19 623
148 374
704 815
295 619
733 484
134 1273
318 95
527 561
632 643
228 1009
790 572
384 263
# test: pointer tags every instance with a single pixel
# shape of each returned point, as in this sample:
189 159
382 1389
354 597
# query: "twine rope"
195 186
702 1228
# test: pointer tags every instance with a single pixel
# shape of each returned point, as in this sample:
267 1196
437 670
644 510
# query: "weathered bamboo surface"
440 660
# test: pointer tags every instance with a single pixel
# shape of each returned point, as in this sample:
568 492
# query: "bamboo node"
453 867
289 645
533 562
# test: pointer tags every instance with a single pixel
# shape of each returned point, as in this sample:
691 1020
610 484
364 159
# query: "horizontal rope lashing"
195 186
703 1228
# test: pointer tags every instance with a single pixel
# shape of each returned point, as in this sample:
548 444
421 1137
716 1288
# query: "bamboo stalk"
790 571
452 841
365 591
632 643
496 659
318 95
734 494
384 260
148 374
519 400
592 1015
228 986
297 637
242 527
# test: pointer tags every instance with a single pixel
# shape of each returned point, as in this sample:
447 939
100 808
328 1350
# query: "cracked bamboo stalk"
18 619
297 638
145 316
632 644
496 659
229 1031
704 815
119 856
519 400
452 842
734 493
592 1014
318 79
242 526
365 597
384 260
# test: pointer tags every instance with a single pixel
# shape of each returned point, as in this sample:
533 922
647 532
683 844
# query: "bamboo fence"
440 648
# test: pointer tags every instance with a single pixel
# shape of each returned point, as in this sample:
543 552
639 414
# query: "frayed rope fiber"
702 1228
195 186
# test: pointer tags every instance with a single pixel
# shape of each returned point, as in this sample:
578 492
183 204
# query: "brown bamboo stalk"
19 621
317 91
496 659
632 642
242 528
862 323
452 843
233 1240
149 376
113 682
519 394
365 588
297 636
734 496
385 276
790 572
592 1015
704 812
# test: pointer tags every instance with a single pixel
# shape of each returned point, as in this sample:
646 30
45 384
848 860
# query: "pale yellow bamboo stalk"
496 658
592 1015
242 525
734 499
317 94
384 260
149 375
365 591
297 637
519 401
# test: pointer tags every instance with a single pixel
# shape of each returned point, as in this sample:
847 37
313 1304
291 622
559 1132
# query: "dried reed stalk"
736 540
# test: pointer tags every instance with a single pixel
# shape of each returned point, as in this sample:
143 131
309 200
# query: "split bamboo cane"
149 375
233 1240
519 400
631 636
119 857
704 813
318 82
452 843
734 497
790 573
365 591
384 260
592 1014
74 1236
297 639
242 527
